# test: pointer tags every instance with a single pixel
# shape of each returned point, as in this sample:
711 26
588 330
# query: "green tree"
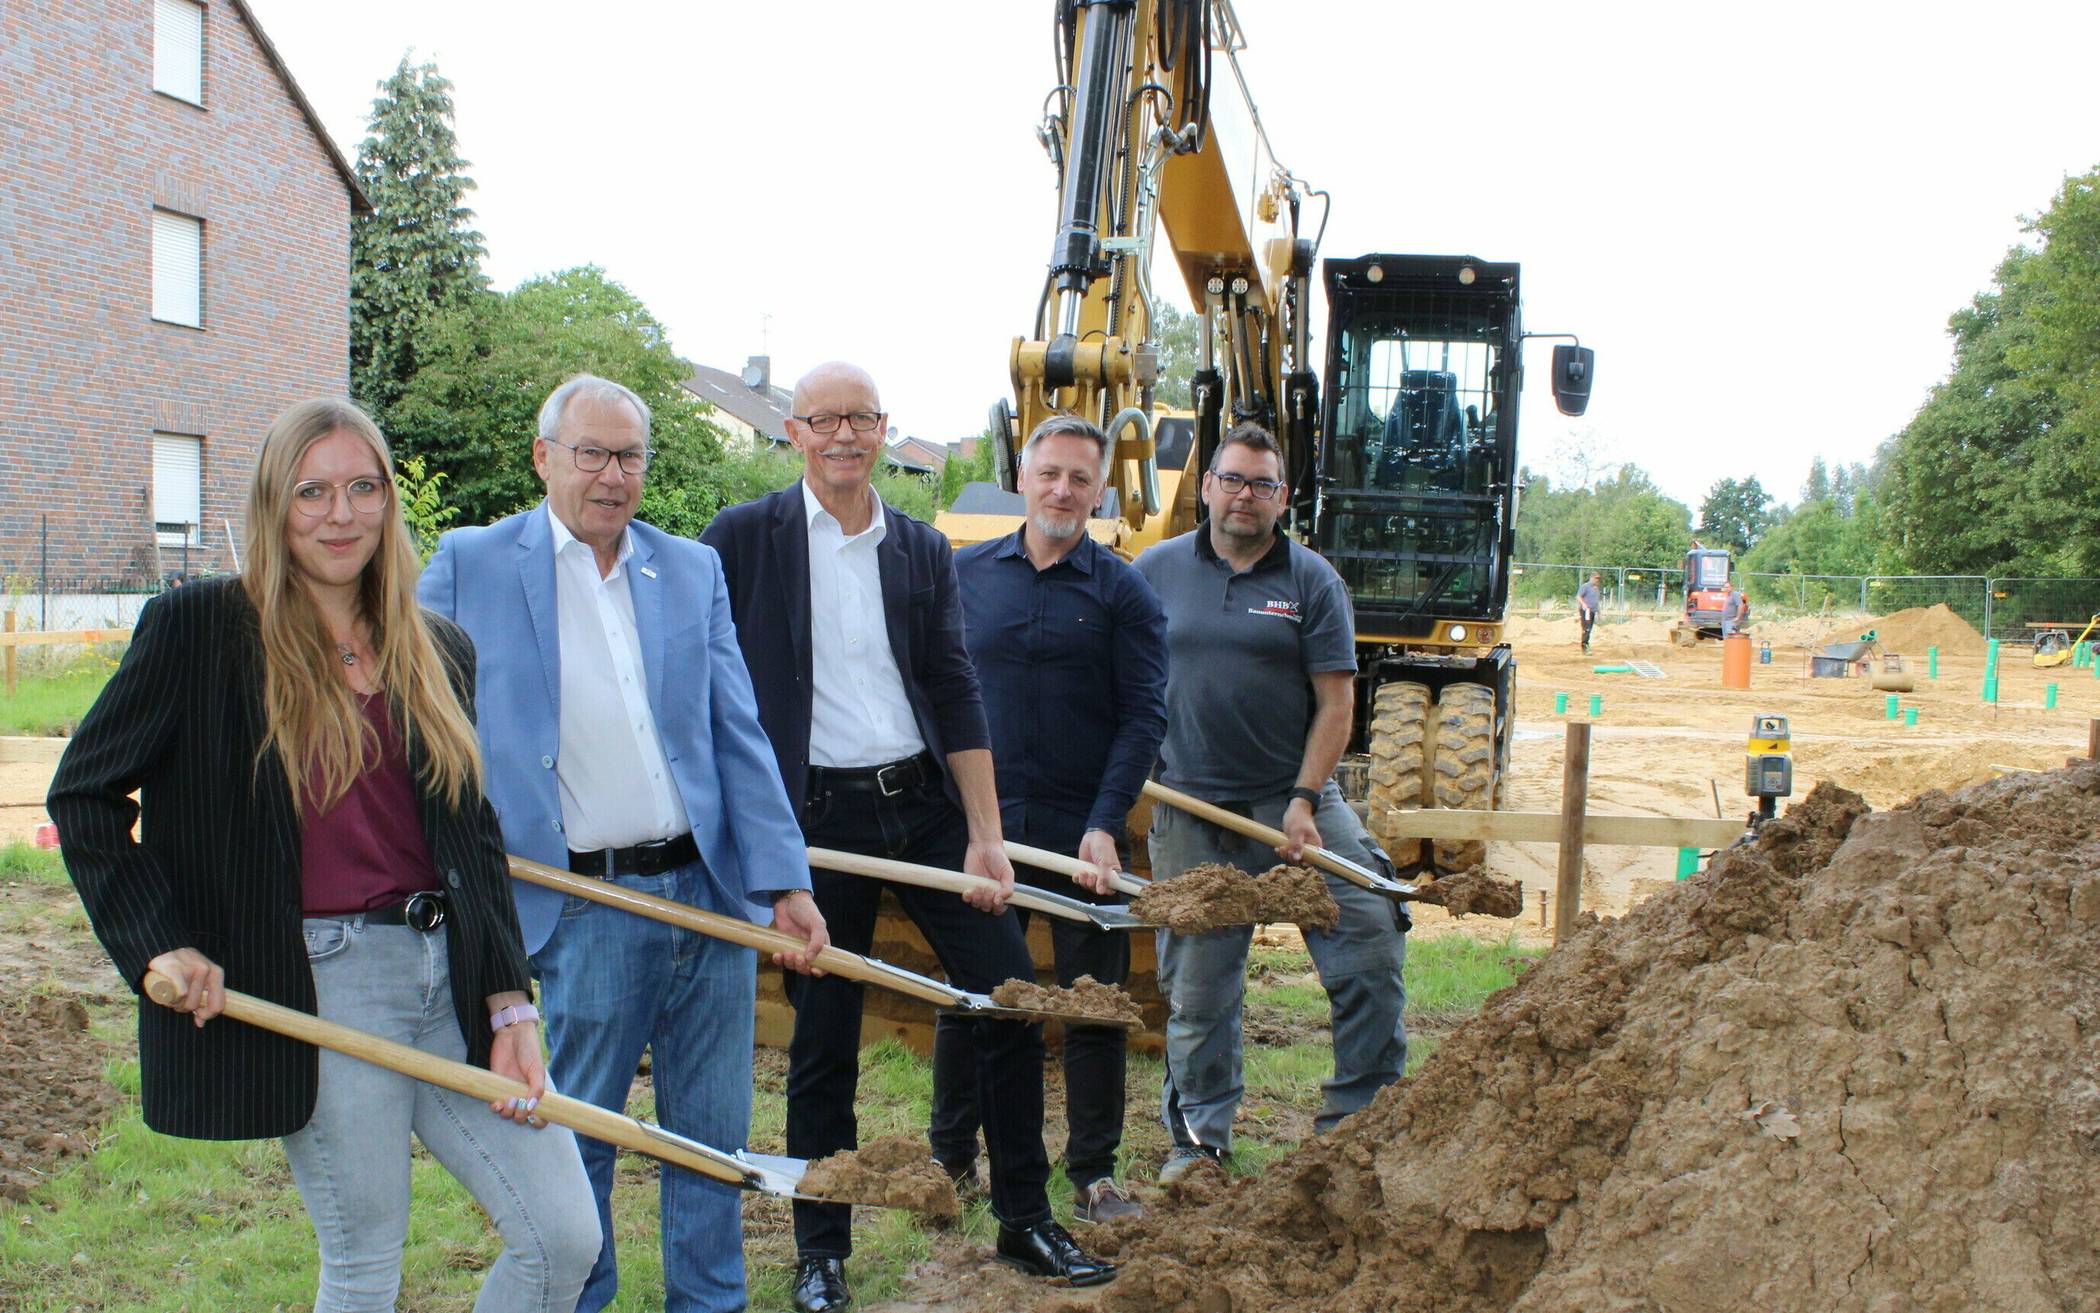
1175 328
415 254
422 503
471 409
1736 512
960 470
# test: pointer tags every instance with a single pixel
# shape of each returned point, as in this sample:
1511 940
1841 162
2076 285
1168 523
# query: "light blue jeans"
613 983
351 1160
1205 976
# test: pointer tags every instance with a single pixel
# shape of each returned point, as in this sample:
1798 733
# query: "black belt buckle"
896 770
423 911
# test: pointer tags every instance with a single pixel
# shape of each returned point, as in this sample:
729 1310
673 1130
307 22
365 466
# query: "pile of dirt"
51 1086
1214 895
1087 997
1912 631
1473 892
893 1171
1853 1066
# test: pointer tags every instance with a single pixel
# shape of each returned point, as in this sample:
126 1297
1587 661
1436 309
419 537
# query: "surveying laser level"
1768 766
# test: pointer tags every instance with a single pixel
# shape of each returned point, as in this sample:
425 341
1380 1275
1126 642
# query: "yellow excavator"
1400 443
2053 647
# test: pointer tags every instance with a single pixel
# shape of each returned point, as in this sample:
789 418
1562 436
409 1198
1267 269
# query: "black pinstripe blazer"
217 863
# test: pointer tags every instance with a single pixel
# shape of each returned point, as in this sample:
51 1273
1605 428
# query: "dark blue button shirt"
1073 664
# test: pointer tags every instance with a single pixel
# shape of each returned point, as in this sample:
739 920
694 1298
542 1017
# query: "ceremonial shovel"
1121 881
934 877
837 961
1353 872
763 1172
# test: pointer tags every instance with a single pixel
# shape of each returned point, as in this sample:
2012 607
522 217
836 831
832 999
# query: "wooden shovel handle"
931 877
1070 867
474 1082
1252 829
839 962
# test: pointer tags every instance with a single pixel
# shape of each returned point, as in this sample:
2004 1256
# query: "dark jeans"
977 952
1589 618
1093 1058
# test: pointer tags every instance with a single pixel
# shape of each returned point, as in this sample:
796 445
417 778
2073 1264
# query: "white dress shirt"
616 786
858 712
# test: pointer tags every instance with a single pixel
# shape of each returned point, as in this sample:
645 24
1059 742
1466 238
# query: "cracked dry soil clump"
893 1171
1214 895
1855 1066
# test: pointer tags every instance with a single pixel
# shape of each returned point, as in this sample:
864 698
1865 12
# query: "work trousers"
1204 976
1094 1056
976 951
1589 621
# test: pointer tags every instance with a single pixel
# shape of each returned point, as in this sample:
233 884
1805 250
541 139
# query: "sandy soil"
25 776
1659 742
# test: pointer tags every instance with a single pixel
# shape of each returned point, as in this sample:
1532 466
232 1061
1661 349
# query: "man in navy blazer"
849 621
622 741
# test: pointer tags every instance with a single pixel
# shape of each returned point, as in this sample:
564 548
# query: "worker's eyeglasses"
592 459
316 497
1263 489
862 421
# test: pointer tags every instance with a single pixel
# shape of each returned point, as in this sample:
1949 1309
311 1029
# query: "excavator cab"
1412 503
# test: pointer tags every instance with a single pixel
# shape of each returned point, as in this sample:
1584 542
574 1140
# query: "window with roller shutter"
178 489
178 269
178 49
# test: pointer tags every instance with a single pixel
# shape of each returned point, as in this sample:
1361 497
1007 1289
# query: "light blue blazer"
497 583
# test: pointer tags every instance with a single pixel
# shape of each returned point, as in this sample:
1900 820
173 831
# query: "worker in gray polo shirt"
1261 665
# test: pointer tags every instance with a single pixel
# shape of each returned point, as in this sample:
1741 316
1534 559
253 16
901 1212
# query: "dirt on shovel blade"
1214 895
893 1171
1474 892
1087 997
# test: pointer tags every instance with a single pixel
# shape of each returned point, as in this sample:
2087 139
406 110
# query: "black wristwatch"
1310 797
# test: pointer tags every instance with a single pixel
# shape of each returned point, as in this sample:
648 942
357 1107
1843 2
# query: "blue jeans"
351 1159
1205 976
613 983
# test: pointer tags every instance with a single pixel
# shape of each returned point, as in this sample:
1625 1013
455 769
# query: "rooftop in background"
748 398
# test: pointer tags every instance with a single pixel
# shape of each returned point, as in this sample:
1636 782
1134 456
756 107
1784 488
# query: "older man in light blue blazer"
622 742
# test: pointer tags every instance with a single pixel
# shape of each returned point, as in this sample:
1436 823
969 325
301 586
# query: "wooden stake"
10 655
1574 800
2092 727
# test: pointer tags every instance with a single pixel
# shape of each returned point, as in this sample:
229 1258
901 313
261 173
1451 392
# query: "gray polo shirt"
1239 650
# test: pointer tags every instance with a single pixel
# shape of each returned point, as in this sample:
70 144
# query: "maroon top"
369 849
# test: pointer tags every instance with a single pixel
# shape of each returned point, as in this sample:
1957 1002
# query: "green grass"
24 861
52 702
151 1223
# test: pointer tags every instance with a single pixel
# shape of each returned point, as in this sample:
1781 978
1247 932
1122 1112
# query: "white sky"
1759 216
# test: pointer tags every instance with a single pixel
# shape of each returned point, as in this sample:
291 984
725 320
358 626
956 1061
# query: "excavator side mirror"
1574 367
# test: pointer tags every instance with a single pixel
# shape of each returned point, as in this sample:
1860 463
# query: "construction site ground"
1664 747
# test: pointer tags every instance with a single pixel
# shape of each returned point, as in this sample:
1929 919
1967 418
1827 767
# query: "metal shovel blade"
981 1005
1104 916
763 1173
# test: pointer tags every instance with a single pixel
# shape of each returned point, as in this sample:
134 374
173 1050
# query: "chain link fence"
2007 608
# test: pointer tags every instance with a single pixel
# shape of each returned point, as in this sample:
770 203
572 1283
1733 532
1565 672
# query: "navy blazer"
764 545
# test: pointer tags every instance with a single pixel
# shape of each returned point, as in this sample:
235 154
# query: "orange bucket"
1735 661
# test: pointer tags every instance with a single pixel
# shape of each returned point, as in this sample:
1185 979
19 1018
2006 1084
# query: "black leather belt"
642 859
420 911
889 779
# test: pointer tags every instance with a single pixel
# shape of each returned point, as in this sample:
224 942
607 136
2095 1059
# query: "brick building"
174 271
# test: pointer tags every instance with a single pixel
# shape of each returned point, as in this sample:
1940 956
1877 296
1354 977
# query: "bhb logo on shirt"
1281 610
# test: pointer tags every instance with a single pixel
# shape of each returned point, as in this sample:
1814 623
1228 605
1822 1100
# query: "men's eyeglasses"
862 421
592 459
1263 489
316 497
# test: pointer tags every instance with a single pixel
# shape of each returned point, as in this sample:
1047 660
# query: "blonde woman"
312 831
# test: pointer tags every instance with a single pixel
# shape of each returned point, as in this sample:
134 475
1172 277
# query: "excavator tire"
1399 764
1463 771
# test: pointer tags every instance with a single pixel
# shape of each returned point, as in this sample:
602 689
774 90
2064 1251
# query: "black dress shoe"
820 1285
1048 1250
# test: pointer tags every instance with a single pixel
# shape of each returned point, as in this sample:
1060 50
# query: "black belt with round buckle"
423 911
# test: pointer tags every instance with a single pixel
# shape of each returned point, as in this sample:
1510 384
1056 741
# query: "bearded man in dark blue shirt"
1070 647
